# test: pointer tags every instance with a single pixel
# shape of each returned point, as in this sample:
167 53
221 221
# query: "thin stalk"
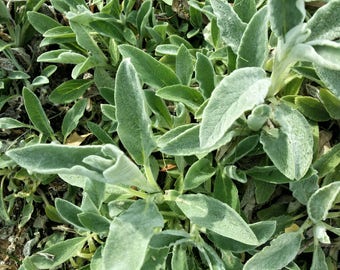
149 176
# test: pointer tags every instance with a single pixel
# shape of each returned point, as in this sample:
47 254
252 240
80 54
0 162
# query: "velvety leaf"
168 238
263 231
268 174
304 188
285 15
36 112
321 201
41 22
179 258
184 65
94 222
319 259
72 117
68 212
263 191
131 231
87 42
9 123
155 258
100 133
216 216
328 161
205 75
198 173
245 9
253 48
184 141
312 108
259 117
331 103
281 251
58 253
150 70
104 163
239 92
290 146
330 78
69 91
325 23
134 125
230 25
181 93
61 56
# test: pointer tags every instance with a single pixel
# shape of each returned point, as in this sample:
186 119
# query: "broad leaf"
290 145
230 25
150 70
36 112
312 108
58 253
101 163
245 9
325 23
131 231
285 15
41 22
253 49
217 217
69 91
321 201
181 93
281 251
68 212
134 125
331 103
304 188
198 173
61 56
235 94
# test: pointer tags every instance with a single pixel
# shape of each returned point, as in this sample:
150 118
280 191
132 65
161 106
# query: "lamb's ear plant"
200 143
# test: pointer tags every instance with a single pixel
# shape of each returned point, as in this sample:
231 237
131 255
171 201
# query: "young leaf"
321 201
72 117
179 258
304 188
328 161
290 146
184 65
217 217
100 133
198 173
239 92
41 22
325 23
150 70
61 56
69 91
230 25
281 251
312 108
253 48
69 212
205 75
9 123
131 231
285 15
319 260
56 254
331 103
181 93
134 125
36 112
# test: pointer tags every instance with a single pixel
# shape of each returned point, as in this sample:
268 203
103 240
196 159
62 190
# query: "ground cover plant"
169 134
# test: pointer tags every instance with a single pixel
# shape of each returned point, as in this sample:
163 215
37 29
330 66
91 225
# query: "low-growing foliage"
190 135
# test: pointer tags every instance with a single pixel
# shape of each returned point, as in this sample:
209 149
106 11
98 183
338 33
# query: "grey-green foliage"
214 134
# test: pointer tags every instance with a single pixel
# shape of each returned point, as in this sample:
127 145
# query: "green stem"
149 176
3 212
